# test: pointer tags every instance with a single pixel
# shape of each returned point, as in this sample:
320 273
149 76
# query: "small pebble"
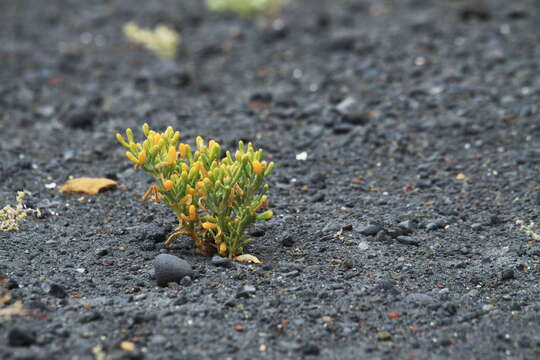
435 225
363 245
407 225
82 119
381 236
92 316
389 286
139 297
515 307
384 336
57 291
12 284
424 183
445 342
356 116
246 291
186 281
331 227
158 340
101 252
287 240
370 230
476 226
169 268
343 41
21 337
407 240
340 129
148 245
257 232
291 274
220 261
318 197
310 349
507 274
285 266
396 231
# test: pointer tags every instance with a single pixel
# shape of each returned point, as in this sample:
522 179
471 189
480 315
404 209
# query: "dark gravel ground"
395 239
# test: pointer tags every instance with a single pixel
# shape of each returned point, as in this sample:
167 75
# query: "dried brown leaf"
248 258
85 185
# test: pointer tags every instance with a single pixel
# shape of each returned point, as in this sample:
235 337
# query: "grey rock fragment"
169 268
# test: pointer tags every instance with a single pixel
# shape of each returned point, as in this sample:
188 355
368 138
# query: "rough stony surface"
395 238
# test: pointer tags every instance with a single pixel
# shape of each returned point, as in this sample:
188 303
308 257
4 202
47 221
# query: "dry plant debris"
248 258
163 41
245 7
10 217
528 229
86 185
8 308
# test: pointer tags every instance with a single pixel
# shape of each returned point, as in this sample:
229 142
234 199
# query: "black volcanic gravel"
395 238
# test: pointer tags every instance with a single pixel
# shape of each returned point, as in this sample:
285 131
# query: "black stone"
389 286
407 240
257 232
318 197
21 337
475 11
424 183
370 230
408 225
381 236
356 116
340 129
287 240
445 342
152 231
93 316
82 119
169 268
310 349
101 252
343 41
148 245
507 274
220 261
435 225
57 291
12 284
396 231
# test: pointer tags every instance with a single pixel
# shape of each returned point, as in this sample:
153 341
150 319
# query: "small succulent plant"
215 197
